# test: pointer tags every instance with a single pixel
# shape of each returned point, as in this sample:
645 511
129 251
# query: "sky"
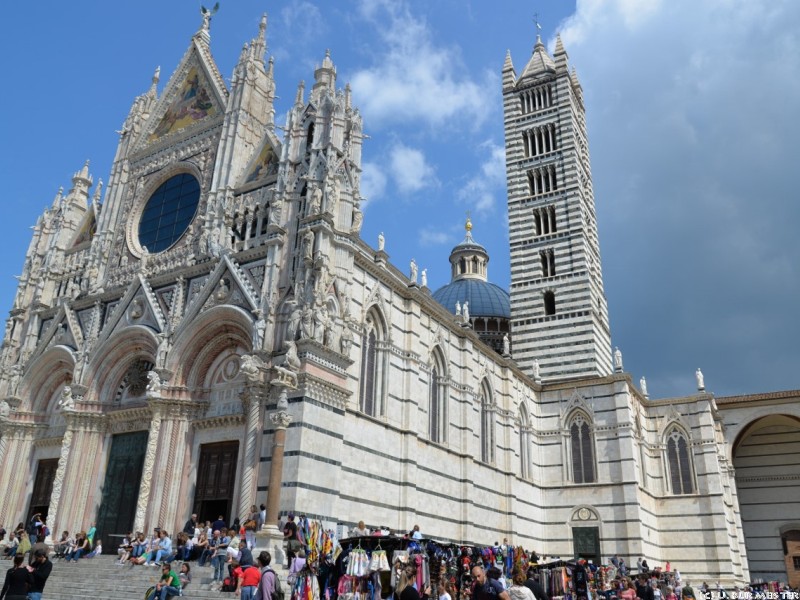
691 111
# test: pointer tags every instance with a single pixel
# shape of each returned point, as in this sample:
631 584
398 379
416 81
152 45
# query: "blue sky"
693 137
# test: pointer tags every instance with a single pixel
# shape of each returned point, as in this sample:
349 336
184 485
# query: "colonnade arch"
766 459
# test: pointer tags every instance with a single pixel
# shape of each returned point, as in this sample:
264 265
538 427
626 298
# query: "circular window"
168 212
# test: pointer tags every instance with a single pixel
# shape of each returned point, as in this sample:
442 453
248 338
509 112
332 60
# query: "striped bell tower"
559 314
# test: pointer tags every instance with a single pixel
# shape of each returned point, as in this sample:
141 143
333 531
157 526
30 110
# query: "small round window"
168 212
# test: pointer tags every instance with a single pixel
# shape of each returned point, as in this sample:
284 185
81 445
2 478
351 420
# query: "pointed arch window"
373 366
488 441
582 449
437 406
524 443
679 463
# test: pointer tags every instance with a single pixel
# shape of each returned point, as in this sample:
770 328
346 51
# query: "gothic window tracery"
437 406
373 365
524 443
488 442
582 449
679 462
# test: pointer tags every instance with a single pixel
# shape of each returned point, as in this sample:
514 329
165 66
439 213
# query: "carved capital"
280 419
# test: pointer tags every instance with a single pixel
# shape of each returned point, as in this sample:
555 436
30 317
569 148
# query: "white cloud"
481 191
416 79
410 171
373 182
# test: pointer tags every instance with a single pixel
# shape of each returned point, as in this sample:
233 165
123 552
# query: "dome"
485 299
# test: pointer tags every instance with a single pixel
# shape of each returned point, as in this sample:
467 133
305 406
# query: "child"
98 549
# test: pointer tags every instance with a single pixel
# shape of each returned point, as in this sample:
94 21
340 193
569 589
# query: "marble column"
18 443
58 483
168 467
80 476
252 397
145 486
270 537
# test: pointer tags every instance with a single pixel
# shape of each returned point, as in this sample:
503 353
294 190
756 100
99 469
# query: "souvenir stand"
322 549
368 567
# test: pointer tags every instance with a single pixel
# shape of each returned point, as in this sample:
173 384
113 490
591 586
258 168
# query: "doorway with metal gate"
42 488
121 488
216 480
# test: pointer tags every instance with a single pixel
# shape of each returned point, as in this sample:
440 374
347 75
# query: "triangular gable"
58 332
195 93
265 162
138 306
87 229
576 402
226 284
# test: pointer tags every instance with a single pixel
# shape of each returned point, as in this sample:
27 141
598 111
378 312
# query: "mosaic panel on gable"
192 104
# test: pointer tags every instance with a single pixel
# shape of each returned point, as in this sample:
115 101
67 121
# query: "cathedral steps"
101 578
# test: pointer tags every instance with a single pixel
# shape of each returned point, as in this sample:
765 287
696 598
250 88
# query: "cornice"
219 422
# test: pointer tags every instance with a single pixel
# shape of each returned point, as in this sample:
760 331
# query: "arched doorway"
766 456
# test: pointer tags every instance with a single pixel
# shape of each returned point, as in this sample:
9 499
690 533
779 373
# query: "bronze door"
121 488
586 541
216 478
42 488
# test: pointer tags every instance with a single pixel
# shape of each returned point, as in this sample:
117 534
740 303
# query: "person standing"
40 569
267 583
535 587
519 590
250 526
485 588
18 578
290 537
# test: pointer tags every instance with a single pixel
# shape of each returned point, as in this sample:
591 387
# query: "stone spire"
154 83
81 182
259 43
509 74
298 98
324 76
540 62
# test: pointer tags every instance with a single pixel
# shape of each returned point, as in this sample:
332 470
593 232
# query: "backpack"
228 585
278 593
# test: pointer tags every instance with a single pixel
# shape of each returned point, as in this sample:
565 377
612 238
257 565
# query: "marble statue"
465 311
293 324
306 324
643 386
381 242
66 401
537 376
424 277
506 345
346 341
259 329
251 366
292 359
701 385
617 360
358 220
413 276
308 244
163 349
316 200
458 308
153 382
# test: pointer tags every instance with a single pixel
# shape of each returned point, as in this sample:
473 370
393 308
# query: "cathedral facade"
210 332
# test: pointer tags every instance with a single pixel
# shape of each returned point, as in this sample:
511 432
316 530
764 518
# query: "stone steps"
100 578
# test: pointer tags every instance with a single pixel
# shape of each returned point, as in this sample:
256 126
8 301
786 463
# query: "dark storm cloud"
693 127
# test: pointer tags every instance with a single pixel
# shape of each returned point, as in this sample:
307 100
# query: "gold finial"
468 224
